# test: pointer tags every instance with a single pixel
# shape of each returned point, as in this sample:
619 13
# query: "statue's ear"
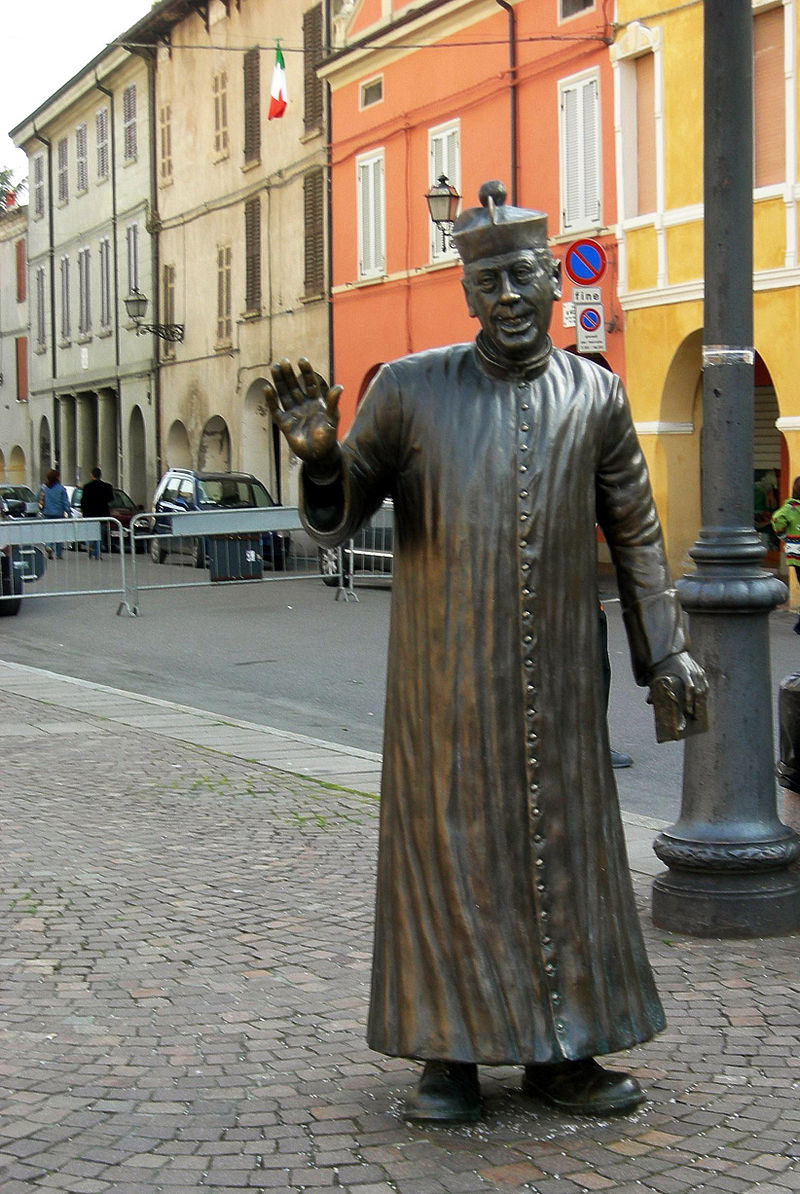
556 278
468 296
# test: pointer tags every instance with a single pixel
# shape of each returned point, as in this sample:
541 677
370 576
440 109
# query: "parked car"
123 507
11 568
181 490
21 501
369 554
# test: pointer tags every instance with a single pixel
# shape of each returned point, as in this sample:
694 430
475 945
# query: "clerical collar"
499 365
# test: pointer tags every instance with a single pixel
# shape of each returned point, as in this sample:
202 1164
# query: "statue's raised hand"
307 412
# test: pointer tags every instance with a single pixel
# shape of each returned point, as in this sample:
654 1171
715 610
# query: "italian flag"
277 92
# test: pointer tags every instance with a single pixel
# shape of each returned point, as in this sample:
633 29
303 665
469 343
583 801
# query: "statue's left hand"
678 690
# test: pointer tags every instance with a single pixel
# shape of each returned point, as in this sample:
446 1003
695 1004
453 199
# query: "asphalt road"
285 653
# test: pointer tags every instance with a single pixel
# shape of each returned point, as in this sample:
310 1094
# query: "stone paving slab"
185 943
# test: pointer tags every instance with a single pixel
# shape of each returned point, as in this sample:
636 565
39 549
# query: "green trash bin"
235 557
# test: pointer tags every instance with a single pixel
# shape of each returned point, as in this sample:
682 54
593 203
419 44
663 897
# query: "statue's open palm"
306 411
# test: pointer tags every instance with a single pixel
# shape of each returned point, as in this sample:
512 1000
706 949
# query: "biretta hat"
495 228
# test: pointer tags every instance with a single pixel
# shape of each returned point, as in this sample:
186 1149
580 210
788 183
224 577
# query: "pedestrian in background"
786 525
96 502
54 503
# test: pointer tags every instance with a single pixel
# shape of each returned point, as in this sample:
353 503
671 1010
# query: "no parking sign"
590 327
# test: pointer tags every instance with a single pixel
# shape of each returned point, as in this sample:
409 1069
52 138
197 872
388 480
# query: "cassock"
506 929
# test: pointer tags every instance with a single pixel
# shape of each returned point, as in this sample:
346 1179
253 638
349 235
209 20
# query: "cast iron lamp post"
729 856
443 200
136 306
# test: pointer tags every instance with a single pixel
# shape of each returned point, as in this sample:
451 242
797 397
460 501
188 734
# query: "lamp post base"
765 904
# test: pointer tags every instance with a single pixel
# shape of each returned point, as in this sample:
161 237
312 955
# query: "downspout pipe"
329 204
51 250
155 224
513 97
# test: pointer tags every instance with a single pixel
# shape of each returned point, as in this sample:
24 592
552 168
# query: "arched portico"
179 451
214 453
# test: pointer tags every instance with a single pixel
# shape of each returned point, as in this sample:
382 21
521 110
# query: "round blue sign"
585 262
590 319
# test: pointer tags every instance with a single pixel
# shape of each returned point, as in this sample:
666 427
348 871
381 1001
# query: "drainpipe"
51 255
150 59
329 204
512 92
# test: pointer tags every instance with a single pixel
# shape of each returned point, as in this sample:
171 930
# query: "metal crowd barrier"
368 557
187 549
54 557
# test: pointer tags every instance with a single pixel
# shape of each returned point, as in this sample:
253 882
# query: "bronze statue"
506 930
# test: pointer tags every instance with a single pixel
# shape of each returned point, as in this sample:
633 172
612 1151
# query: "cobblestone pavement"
184 965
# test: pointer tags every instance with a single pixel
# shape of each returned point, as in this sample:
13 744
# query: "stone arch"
137 457
260 452
179 452
679 432
17 464
45 448
214 453
3 476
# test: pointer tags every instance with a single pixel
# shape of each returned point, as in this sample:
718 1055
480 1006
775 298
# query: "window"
579 145
22 368
41 309
571 8
132 245
252 255
168 293
105 282
314 223
22 290
312 56
101 141
38 186
65 311
81 159
84 293
371 221
220 90
769 100
62 158
371 92
444 157
129 123
252 106
223 294
165 141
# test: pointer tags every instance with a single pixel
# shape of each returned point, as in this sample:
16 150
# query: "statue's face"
512 296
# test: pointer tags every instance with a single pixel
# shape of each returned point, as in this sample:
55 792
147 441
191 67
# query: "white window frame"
132 246
81 159
129 146
371 213
579 138
62 168
165 143
84 291
105 282
444 157
363 92
636 42
66 326
101 141
589 6
224 292
38 186
41 308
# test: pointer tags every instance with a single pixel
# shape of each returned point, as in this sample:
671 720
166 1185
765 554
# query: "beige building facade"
240 207
92 381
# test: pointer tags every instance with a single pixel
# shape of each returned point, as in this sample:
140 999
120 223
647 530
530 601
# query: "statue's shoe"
448 1092
583 1087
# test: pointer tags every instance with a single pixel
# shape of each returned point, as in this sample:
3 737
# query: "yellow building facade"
657 58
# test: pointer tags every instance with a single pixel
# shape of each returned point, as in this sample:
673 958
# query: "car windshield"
233 493
122 501
21 492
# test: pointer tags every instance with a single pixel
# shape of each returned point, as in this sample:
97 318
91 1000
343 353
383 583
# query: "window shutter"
63 170
769 98
129 122
313 201
21 272
101 139
81 158
571 199
580 154
252 106
312 56
646 200
22 368
252 240
591 155
65 303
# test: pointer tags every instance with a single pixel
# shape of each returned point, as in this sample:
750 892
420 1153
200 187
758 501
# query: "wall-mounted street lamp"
443 200
136 305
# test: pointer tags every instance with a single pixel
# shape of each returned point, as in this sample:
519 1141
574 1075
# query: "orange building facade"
473 89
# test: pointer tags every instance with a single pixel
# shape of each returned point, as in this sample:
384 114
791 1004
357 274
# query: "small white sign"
84 357
567 315
586 294
590 326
